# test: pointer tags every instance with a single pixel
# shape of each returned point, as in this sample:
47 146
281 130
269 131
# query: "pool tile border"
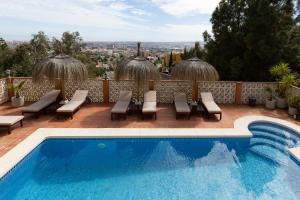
240 130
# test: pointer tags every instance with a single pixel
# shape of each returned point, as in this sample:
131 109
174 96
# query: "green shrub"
294 101
270 93
280 70
286 78
17 88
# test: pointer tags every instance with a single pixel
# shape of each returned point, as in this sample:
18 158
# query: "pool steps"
273 142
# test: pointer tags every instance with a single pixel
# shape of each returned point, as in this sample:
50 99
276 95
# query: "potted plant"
286 78
294 103
281 101
17 100
270 101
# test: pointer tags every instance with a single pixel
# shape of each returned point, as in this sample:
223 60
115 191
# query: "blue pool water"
162 169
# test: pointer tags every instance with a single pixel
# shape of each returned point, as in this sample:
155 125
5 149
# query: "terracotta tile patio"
98 116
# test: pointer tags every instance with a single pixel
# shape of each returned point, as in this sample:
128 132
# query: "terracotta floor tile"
98 116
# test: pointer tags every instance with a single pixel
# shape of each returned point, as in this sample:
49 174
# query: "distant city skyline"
108 20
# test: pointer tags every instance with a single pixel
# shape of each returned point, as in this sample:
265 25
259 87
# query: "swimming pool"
160 168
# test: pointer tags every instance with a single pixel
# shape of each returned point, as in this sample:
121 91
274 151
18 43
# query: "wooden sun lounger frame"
187 114
113 115
9 127
71 114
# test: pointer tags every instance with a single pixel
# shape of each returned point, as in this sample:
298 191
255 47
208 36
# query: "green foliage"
22 58
170 65
280 70
270 93
100 72
193 52
285 77
250 36
40 46
17 88
70 44
294 101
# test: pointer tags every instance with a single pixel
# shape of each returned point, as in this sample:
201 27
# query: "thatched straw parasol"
139 69
195 70
60 68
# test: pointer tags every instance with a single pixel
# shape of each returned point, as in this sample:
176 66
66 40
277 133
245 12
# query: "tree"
250 36
170 60
70 44
225 49
196 51
40 46
23 60
6 57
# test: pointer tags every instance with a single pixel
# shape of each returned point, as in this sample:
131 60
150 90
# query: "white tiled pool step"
271 153
287 142
277 146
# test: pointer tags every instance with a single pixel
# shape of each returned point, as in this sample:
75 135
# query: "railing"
224 92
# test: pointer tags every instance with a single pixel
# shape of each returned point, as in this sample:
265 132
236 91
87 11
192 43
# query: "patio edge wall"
3 90
107 91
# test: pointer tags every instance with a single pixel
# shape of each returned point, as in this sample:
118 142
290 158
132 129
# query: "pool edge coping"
9 160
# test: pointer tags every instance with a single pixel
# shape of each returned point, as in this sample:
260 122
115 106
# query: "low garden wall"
295 91
224 92
257 90
3 90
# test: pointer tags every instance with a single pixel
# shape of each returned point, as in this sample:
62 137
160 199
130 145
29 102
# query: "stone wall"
295 91
166 89
128 85
95 87
255 89
33 92
3 91
223 92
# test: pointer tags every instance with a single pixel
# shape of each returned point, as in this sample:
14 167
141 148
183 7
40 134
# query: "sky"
108 20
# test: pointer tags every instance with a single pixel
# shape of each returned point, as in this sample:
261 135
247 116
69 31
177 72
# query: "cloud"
95 13
182 32
102 19
186 7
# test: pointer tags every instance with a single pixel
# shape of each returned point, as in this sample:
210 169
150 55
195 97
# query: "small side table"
136 107
194 107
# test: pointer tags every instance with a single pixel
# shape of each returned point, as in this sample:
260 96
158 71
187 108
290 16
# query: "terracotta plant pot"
292 111
270 104
17 102
281 102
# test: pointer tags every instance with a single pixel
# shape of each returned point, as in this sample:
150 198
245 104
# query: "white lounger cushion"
71 106
182 107
45 101
150 96
10 120
149 107
80 95
120 107
212 107
122 104
125 96
209 103
181 104
77 100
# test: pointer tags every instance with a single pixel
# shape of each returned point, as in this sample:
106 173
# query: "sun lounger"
9 121
74 104
181 105
149 106
209 104
44 102
122 105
